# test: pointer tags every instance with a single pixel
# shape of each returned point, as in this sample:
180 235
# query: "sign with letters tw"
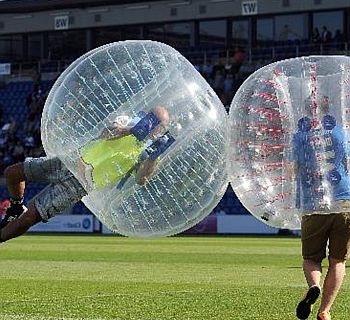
61 23
249 7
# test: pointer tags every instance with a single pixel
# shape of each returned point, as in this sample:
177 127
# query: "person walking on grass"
323 194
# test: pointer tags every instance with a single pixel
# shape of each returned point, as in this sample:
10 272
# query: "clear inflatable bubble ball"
289 139
144 134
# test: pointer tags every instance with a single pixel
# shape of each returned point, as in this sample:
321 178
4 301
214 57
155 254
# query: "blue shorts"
63 190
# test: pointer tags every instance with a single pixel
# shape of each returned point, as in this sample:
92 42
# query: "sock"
16 201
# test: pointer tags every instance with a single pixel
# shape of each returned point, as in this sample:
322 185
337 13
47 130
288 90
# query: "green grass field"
95 277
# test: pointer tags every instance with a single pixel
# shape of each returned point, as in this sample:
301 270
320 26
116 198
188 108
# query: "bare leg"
15 180
19 226
312 272
332 283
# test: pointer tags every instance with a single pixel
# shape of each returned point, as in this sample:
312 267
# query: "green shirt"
111 159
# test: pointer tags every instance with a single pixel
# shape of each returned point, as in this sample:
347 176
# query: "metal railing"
202 56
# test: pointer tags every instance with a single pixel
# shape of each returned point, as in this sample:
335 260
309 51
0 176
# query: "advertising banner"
66 223
206 226
225 224
105 230
243 224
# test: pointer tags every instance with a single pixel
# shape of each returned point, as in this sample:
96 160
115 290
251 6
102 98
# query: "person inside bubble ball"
64 189
320 156
117 152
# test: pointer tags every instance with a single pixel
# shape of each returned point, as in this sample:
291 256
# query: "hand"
145 171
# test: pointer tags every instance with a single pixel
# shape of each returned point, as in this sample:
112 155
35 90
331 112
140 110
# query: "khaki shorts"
319 229
63 190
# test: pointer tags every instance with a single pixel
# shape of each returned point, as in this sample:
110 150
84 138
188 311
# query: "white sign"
61 23
5 68
66 223
249 7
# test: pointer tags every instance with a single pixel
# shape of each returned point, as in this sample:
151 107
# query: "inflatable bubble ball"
145 135
289 139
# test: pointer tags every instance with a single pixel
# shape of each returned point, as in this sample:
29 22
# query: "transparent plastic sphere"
122 85
289 124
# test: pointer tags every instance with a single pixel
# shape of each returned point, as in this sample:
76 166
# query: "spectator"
37 137
29 141
3 141
32 123
9 128
288 34
219 66
326 36
229 69
338 39
228 90
238 59
4 204
7 159
36 78
316 37
18 152
35 107
35 95
338 36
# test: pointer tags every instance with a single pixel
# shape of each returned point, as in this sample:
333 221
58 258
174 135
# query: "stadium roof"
19 6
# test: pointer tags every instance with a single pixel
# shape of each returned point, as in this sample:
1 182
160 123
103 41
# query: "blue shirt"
316 149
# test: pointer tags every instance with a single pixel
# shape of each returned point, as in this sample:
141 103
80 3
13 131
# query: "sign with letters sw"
5 68
61 23
249 7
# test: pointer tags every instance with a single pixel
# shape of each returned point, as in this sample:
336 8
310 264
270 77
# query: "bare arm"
145 171
115 131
